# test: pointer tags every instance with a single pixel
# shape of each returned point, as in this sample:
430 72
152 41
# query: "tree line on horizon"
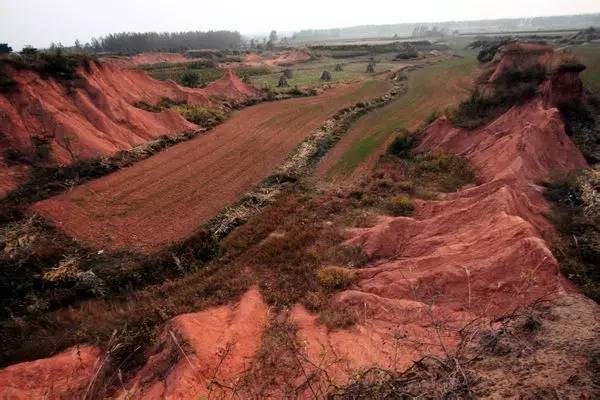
137 42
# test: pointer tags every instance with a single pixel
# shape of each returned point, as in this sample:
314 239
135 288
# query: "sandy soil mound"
230 86
292 57
281 59
198 353
98 116
63 376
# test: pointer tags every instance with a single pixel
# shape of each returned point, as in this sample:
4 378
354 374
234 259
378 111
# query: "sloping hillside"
48 121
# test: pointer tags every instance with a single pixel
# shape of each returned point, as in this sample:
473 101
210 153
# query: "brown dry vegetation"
293 249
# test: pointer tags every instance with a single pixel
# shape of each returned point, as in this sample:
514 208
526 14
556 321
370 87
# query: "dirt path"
165 198
435 87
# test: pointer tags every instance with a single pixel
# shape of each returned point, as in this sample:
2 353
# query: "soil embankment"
165 198
45 120
279 59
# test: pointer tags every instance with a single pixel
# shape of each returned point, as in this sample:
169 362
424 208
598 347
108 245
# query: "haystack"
282 81
325 76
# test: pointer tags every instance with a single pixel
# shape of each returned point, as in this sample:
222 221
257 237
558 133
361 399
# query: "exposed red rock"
63 376
98 116
479 253
216 345
231 87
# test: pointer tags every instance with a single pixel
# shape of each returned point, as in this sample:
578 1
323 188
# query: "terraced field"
433 87
166 197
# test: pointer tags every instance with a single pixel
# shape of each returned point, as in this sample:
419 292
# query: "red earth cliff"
98 116
63 376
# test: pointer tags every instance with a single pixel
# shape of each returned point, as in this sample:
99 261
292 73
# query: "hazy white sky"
39 22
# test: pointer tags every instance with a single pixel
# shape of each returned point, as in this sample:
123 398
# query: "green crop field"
308 74
174 72
589 54
432 88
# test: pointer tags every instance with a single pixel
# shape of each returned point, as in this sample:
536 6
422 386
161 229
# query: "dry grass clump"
399 206
335 278
200 115
277 364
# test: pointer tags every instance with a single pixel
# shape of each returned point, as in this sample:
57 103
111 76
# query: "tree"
273 37
28 51
190 79
5 48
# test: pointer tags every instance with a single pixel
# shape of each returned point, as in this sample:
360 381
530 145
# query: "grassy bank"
433 87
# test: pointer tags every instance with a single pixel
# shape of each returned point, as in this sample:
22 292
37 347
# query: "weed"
335 278
402 144
399 206
200 115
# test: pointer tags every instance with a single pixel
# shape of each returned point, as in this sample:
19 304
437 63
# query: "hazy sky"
39 22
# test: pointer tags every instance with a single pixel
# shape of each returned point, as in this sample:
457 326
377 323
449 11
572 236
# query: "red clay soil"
280 59
63 376
218 344
231 87
97 117
480 253
166 197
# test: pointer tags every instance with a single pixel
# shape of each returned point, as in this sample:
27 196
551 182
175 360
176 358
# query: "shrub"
190 79
200 115
402 145
576 215
335 278
6 83
5 48
399 206
582 124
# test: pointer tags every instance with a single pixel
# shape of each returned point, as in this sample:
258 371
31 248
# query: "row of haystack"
325 76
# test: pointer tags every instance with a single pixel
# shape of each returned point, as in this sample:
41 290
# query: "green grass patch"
432 87
589 54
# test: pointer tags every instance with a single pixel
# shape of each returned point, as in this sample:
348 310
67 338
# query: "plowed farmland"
166 197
